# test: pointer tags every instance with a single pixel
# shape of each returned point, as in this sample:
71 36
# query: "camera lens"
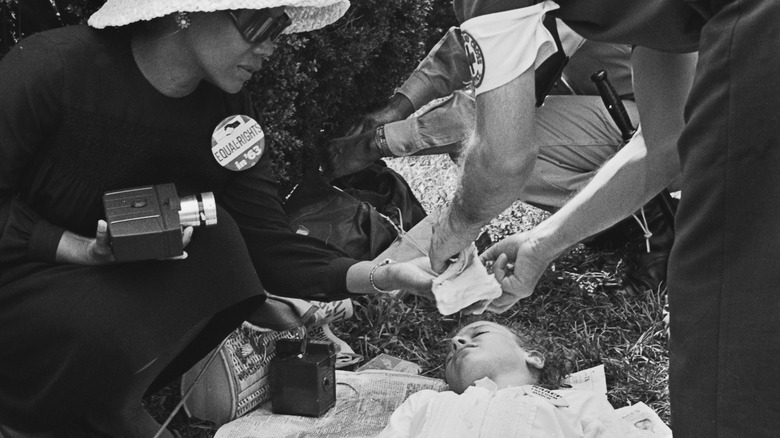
197 210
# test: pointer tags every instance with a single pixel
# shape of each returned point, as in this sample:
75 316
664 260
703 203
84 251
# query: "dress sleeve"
289 264
444 70
31 81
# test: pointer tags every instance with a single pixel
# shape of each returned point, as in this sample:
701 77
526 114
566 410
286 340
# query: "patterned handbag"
236 380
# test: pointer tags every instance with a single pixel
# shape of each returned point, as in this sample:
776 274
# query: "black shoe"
646 271
647 238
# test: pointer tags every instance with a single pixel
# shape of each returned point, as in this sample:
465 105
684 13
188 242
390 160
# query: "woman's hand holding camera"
186 237
80 250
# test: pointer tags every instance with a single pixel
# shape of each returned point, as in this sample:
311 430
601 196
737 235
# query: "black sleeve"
31 81
288 264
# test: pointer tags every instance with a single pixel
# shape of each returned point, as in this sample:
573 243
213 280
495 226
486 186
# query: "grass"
579 304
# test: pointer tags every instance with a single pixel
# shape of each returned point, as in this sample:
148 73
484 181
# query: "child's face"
483 349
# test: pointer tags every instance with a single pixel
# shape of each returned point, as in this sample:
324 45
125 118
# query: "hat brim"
306 15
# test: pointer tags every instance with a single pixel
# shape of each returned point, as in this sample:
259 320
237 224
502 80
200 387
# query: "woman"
134 101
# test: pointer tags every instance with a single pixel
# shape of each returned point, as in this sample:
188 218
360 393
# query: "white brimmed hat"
306 15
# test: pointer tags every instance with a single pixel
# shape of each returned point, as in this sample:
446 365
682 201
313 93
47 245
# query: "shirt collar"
553 398
486 383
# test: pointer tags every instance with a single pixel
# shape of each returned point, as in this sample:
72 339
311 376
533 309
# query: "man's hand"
517 265
399 108
347 155
449 237
370 121
355 151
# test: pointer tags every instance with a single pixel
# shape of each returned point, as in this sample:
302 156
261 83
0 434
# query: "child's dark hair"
557 363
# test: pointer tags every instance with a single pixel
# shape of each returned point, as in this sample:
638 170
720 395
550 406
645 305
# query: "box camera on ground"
146 222
303 383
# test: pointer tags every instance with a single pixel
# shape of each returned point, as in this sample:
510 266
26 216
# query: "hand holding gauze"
465 283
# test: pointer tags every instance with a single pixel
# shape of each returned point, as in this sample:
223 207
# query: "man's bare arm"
636 173
495 168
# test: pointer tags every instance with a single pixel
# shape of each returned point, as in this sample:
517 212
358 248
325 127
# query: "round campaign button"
238 142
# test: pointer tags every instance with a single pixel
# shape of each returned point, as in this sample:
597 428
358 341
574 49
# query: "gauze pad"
463 283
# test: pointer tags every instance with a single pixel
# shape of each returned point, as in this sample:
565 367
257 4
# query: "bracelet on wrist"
373 270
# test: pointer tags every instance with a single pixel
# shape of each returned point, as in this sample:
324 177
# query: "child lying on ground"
499 387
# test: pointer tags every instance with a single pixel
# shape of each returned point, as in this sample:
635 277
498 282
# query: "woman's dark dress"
77 118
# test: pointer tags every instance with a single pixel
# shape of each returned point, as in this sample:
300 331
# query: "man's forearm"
636 173
617 190
502 157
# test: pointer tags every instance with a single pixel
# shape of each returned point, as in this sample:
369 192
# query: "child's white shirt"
513 412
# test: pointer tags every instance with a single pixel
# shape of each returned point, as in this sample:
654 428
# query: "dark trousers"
724 273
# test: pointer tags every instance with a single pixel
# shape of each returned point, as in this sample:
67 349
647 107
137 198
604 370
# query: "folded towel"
464 283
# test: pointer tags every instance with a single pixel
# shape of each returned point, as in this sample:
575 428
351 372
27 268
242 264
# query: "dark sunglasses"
259 25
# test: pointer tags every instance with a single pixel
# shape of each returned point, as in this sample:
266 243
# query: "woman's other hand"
414 276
